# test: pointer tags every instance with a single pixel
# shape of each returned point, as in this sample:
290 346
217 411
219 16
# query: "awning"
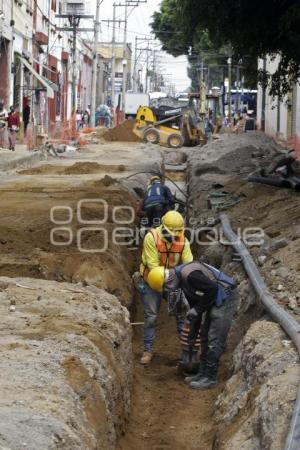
49 85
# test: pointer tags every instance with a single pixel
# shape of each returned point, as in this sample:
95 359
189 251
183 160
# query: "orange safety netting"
64 132
88 130
294 143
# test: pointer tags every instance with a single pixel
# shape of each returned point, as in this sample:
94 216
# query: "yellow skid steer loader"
172 127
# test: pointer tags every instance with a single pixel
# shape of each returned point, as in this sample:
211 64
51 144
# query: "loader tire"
152 136
175 140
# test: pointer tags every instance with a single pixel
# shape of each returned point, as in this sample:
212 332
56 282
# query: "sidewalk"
21 157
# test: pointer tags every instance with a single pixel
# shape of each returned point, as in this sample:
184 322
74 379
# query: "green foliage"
251 29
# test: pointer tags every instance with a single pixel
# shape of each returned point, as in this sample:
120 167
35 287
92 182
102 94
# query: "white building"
278 118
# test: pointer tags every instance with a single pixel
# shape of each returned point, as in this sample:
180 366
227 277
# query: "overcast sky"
138 25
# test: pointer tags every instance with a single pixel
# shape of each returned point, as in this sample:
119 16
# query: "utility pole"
127 3
74 20
202 90
135 76
113 59
147 69
124 85
229 62
238 95
95 65
154 71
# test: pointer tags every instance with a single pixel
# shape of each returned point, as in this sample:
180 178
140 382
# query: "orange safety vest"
167 257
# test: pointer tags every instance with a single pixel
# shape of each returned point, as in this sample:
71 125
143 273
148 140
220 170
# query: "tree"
252 29
199 48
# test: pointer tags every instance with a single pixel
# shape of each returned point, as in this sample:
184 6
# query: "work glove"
138 282
191 315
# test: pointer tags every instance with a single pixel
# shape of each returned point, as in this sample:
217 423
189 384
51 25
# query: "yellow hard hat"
173 223
155 178
157 277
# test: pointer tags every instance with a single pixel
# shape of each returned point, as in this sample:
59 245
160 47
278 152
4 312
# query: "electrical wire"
44 15
49 51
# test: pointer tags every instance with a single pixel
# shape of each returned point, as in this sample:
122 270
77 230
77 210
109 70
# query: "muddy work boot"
146 358
208 381
199 374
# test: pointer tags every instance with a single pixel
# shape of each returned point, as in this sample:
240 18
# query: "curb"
24 161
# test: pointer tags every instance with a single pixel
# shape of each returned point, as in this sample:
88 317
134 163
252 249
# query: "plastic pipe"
285 320
294 183
289 182
278 182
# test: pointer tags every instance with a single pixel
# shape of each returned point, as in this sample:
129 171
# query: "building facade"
104 52
36 62
278 118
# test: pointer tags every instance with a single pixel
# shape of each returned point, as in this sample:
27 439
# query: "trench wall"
260 369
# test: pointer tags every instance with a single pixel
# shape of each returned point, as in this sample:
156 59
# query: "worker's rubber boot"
208 381
200 374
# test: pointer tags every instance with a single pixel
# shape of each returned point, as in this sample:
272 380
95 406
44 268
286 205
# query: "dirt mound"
61 368
106 181
47 169
233 154
122 132
78 168
86 167
52 169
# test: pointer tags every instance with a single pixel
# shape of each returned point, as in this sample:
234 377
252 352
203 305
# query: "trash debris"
261 260
70 148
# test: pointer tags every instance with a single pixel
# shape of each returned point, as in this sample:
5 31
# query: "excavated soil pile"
46 169
65 366
78 168
122 133
86 167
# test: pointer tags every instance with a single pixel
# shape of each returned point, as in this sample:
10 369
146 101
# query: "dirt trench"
251 407
165 413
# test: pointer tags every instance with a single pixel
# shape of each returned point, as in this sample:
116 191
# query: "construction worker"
163 246
213 299
157 201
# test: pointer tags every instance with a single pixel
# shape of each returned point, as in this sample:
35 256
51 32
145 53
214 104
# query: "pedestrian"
104 113
158 200
13 124
86 119
3 121
78 119
164 246
26 117
213 299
